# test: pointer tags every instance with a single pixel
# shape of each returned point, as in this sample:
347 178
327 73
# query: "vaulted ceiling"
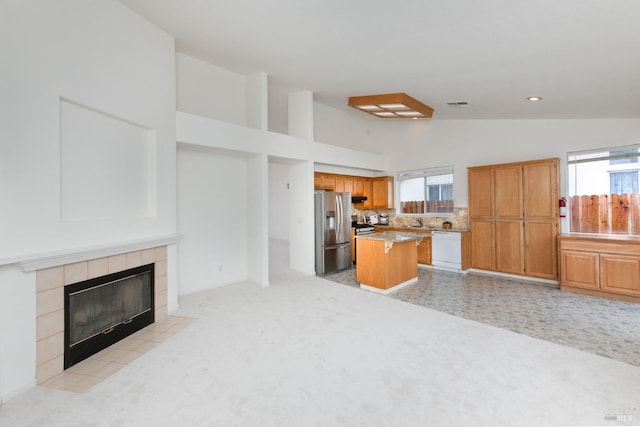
581 56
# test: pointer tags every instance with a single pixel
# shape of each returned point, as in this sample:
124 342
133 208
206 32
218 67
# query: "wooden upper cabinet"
382 192
339 183
323 181
481 192
507 190
367 191
358 186
540 186
348 184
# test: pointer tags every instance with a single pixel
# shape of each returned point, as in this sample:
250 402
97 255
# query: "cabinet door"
540 248
328 182
509 246
358 186
382 191
482 244
339 183
620 274
540 188
367 191
424 251
348 184
507 190
480 192
317 181
579 269
353 245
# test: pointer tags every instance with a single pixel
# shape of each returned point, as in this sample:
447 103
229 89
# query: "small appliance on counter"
384 219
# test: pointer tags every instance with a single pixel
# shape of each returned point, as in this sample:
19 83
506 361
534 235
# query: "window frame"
424 173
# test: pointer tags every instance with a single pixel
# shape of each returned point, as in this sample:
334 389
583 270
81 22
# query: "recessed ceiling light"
369 107
409 113
534 98
394 106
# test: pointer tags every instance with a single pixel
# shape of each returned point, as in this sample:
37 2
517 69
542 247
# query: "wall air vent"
458 104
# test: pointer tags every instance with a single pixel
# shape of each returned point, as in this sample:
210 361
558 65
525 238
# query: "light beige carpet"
309 352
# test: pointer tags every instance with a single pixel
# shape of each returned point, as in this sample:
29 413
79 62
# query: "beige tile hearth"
84 375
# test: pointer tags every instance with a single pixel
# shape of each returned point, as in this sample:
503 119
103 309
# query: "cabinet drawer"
620 274
579 269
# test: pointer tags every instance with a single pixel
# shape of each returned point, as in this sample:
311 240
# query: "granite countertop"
426 228
392 236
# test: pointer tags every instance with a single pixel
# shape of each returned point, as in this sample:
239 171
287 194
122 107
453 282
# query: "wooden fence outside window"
606 213
436 206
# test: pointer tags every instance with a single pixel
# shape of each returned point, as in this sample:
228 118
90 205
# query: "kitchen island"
387 261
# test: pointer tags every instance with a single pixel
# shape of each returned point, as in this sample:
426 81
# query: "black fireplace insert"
101 311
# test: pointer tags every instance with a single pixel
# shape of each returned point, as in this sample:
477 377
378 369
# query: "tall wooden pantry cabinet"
513 211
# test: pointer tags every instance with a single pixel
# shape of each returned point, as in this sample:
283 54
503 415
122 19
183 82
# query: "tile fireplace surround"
50 284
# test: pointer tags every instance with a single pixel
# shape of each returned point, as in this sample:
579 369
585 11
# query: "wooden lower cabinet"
580 269
600 265
541 256
353 245
424 251
482 244
620 274
509 246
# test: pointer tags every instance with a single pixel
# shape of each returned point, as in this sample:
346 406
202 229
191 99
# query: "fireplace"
50 299
101 311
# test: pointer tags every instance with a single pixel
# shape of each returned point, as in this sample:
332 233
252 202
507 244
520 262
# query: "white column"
301 115
257 101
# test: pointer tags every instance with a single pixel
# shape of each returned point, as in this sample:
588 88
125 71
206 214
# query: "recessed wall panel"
107 166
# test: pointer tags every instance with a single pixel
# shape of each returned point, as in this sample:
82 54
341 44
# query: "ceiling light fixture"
391 105
534 98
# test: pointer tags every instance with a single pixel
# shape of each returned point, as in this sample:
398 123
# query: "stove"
363 229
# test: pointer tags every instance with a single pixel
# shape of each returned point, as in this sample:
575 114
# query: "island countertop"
391 237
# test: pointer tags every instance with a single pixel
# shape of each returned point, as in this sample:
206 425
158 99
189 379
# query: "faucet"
420 222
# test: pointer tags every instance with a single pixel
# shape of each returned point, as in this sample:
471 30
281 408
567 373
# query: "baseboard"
513 276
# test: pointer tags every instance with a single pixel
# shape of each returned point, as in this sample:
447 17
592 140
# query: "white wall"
207 90
212 218
299 154
417 144
464 143
257 220
99 55
351 129
278 201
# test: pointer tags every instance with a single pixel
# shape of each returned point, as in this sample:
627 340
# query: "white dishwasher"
446 251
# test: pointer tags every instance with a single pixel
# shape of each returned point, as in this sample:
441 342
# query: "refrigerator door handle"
339 237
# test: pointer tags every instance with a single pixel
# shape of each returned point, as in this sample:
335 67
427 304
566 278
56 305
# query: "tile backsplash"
459 219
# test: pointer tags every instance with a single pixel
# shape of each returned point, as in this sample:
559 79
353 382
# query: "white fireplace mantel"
33 262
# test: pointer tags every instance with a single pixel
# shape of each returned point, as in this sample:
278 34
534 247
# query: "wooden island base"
386 265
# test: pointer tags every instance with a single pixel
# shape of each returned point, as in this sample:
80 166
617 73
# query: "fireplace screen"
102 311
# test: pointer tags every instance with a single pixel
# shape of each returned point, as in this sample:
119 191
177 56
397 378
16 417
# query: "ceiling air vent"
458 104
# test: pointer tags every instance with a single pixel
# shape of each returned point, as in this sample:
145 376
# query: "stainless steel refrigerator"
333 231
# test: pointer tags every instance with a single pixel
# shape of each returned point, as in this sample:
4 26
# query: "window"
623 182
426 191
601 181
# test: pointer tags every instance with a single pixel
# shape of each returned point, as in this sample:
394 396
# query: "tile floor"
82 376
597 325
